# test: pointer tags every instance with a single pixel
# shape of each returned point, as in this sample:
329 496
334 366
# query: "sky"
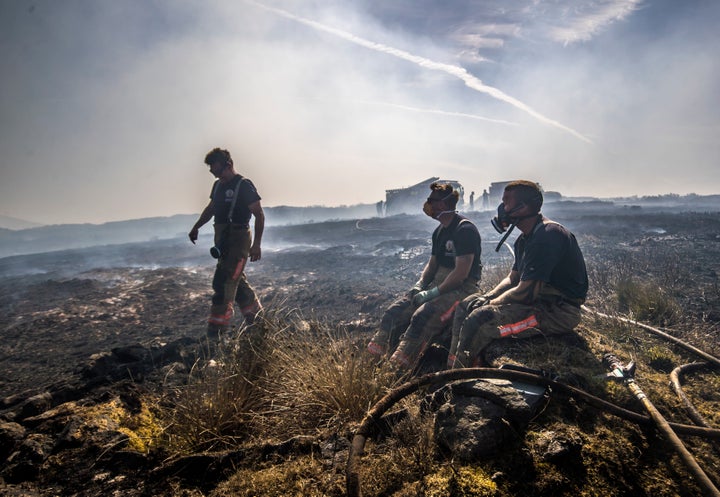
107 108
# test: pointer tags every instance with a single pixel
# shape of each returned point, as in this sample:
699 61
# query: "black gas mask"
504 219
504 222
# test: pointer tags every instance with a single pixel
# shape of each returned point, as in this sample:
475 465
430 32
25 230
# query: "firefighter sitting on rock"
451 274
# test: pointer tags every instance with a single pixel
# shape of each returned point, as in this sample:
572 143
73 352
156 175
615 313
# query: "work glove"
426 295
417 288
478 302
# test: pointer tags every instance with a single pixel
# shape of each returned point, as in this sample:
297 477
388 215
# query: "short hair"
218 155
528 192
449 195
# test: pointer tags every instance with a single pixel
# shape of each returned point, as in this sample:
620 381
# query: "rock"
560 449
36 404
24 464
11 434
477 418
127 460
131 353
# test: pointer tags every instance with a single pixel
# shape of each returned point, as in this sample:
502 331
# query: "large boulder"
476 418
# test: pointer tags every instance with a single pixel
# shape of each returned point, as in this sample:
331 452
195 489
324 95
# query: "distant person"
543 292
233 200
451 274
485 200
472 200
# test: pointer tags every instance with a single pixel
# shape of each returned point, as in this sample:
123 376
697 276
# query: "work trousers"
476 325
229 282
408 329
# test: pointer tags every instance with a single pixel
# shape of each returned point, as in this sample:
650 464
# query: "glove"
426 295
479 302
417 288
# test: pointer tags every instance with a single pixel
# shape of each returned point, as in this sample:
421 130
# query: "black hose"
675 383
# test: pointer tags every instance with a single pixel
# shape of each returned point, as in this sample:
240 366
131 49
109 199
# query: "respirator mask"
504 222
428 208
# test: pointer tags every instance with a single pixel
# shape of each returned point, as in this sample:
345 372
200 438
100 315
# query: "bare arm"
506 284
205 216
524 292
463 263
257 211
429 271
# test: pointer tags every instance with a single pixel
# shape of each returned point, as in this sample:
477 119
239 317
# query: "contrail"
434 111
457 71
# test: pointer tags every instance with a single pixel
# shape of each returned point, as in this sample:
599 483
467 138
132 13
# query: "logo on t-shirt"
229 194
449 247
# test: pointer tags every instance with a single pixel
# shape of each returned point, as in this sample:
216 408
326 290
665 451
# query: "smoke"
456 71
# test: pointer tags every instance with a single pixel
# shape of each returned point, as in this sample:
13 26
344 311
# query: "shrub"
321 377
281 376
216 408
646 302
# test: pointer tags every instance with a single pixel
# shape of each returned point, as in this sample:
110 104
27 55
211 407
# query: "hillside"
108 388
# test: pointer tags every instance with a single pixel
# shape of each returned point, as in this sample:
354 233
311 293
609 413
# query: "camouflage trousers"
229 282
406 329
476 324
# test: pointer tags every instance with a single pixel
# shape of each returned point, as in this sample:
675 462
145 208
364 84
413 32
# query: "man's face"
510 201
216 168
434 204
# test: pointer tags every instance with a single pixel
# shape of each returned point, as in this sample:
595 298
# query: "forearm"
259 228
428 274
205 216
502 287
523 293
458 275
452 281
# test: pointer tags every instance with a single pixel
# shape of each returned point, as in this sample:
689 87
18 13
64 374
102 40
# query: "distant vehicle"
411 199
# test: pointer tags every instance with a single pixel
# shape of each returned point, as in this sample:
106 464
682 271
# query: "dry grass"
284 377
321 378
294 375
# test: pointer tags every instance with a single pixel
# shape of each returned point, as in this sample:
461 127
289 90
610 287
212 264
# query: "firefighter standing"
543 292
233 200
451 274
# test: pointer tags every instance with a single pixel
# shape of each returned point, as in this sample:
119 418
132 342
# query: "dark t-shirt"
222 196
551 254
461 237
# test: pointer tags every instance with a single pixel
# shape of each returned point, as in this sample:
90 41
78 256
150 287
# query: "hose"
700 353
662 424
352 477
675 383
671 437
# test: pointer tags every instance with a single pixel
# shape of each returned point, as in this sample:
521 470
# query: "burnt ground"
59 309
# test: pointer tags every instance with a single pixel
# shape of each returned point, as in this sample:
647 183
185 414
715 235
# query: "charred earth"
89 335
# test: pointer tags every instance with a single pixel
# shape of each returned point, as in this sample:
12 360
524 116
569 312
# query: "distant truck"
411 199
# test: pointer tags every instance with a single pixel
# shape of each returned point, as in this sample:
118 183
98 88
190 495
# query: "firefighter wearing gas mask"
233 201
543 292
425 312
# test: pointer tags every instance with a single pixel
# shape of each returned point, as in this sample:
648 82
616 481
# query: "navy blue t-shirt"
551 254
461 237
222 196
